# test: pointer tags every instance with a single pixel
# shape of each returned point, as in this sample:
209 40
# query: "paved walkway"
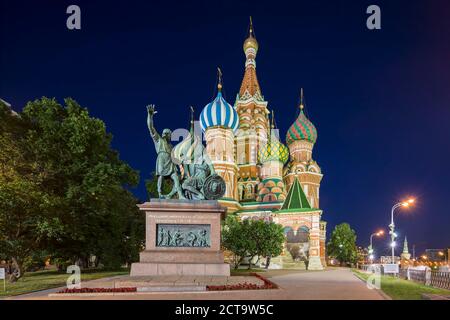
330 284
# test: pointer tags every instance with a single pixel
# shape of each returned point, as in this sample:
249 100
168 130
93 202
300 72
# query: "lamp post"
392 225
379 233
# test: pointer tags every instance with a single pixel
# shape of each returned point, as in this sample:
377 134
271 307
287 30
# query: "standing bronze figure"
164 164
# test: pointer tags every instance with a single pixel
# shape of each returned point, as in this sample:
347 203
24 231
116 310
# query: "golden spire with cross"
272 126
251 42
219 79
301 99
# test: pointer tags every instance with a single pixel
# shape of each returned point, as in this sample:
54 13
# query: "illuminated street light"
442 254
379 233
405 204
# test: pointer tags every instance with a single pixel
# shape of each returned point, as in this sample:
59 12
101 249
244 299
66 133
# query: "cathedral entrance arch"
289 234
302 234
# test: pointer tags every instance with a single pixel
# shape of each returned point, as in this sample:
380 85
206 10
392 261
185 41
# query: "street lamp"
379 233
405 204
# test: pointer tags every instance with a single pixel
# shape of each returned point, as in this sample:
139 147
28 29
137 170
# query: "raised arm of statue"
150 112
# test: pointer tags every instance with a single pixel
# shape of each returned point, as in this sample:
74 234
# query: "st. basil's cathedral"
264 177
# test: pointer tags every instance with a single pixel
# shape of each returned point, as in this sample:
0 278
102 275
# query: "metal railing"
437 279
440 279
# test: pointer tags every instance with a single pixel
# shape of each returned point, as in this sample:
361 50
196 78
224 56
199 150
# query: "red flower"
245 286
97 290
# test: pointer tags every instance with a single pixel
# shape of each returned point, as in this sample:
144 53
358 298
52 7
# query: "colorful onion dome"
273 150
250 43
301 129
219 113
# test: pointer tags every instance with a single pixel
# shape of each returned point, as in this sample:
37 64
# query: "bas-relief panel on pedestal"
183 235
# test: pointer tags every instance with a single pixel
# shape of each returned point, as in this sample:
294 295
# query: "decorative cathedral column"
314 262
323 244
300 139
219 120
253 119
273 155
220 148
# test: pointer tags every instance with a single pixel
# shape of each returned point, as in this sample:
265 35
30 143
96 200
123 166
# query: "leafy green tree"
251 238
342 244
64 188
234 239
23 204
272 242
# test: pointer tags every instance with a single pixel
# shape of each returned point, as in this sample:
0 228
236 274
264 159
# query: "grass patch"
400 289
42 280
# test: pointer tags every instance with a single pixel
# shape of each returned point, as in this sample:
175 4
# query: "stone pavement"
330 284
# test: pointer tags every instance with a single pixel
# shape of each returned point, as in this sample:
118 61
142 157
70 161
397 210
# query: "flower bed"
97 290
245 286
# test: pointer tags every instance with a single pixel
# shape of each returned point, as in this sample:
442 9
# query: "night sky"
380 99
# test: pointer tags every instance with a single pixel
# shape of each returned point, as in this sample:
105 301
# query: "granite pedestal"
182 238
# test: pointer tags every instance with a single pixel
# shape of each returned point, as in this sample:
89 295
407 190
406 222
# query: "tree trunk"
238 263
268 262
250 262
96 262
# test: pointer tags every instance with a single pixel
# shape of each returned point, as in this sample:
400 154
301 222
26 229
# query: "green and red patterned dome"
301 129
273 150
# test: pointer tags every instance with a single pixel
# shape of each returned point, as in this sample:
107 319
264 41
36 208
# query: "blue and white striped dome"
219 113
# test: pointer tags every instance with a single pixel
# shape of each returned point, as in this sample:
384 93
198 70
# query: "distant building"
388 259
435 255
405 254
363 255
